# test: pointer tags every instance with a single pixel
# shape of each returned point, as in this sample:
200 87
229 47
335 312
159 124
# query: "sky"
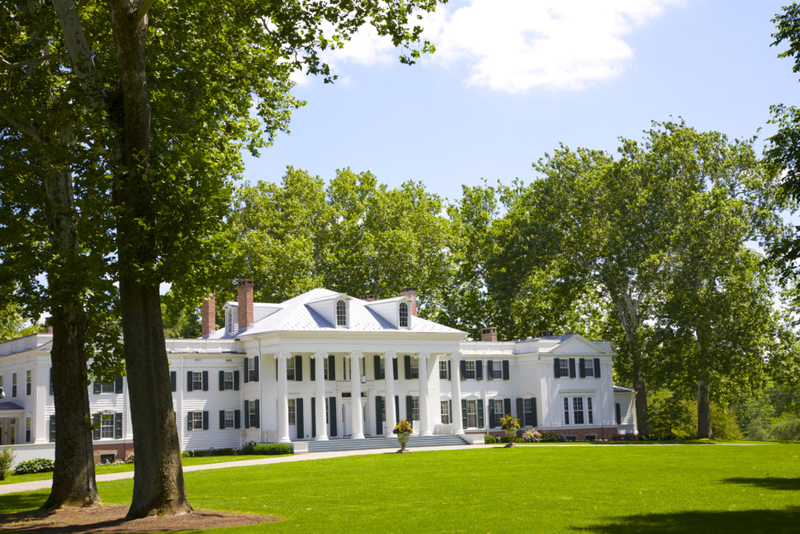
512 79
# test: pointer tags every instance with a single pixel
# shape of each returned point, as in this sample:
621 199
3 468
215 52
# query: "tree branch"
26 129
8 66
142 12
78 48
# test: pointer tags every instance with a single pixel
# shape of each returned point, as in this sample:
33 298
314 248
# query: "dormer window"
341 313
403 315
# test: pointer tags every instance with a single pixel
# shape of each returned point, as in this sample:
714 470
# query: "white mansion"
325 366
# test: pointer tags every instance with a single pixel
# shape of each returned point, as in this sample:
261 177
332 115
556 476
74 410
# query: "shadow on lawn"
14 502
750 521
772 483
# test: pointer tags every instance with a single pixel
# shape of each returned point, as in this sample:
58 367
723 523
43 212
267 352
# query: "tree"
13 323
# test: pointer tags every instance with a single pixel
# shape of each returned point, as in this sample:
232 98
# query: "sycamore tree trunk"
158 479
74 476
642 416
704 410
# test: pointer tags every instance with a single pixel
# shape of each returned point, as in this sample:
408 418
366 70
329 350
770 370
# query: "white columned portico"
322 427
455 382
283 398
424 410
355 394
391 415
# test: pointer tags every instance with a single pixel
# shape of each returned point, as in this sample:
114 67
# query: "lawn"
570 488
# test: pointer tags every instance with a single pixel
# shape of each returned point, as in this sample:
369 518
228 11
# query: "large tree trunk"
704 410
74 477
642 416
158 478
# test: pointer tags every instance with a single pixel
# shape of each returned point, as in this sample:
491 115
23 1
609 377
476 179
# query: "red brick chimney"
245 304
368 298
411 292
489 334
209 318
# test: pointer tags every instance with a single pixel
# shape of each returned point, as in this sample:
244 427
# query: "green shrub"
674 418
489 439
6 459
273 449
786 427
37 465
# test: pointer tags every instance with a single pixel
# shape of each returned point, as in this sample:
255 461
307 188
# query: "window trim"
443 369
341 314
232 419
414 369
196 380
403 316
474 404
225 381
467 370
106 416
444 412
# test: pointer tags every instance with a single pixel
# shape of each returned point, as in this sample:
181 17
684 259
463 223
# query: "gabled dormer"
260 311
396 311
335 309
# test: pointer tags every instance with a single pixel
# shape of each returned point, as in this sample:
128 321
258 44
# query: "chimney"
545 333
209 318
245 304
368 298
48 329
411 292
489 334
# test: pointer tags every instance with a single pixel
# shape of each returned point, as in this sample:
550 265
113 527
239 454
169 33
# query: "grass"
121 468
570 488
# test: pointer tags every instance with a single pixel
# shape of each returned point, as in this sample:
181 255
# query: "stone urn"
402 438
511 433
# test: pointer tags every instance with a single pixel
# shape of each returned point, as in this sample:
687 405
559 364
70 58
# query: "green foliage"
672 417
179 322
271 449
6 459
37 465
12 324
488 439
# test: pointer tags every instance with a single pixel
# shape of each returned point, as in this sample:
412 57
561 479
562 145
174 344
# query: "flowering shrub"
508 422
534 436
37 465
402 426
129 459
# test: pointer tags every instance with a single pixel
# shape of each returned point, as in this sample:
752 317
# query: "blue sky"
512 79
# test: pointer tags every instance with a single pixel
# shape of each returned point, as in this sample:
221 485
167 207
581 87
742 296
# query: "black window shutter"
491 415
378 410
480 413
52 428
377 360
533 412
396 409
557 367
173 380
450 410
449 374
582 367
298 368
258 416
572 367
236 380
222 380
506 406
205 380
407 360
276 369
117 426
463 369
205 420
97 388
298 414
313 415
394 368
521 412
255 369
222 419
332 373
189 420
189 381
247 414
490 370
118 385
479 369
597 367
618 410
463 411
237 419
51 381
96 426
506 372
312 370
332 413
409 402
246 370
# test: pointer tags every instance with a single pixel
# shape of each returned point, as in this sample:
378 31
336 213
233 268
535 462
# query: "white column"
322 428
283 399
455 382
391 416
355 394
424 405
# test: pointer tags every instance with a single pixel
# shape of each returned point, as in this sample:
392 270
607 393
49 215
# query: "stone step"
346 444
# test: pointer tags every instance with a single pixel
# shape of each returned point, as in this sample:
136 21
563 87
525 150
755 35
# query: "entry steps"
347 444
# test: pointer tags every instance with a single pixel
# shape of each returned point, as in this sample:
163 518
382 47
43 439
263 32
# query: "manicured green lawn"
572 488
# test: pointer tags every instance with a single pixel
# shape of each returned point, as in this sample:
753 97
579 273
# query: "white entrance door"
347 417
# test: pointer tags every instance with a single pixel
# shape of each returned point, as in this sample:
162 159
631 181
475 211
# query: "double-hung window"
252 414
577 410
109 388
527 410
443 369
229 419
290 369
27 382
107 425
341 313
13 384
588 368
566 411
472 414
589 410
227 381
498 411
582 410
445 412
497 370
564 364
403 315
325 365
251 369
469 369
414 367
415 408
197 420
382 368
197 383
292 412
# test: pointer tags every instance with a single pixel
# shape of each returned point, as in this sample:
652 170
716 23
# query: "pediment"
578 344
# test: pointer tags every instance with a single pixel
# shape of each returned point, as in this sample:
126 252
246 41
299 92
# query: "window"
577 410
446 412
27 382
527 411
498 411
472 413
415 408
589 410
252 414
326 360
497 370
107 425
469 370
27 429
292 412
588 368
414 367
443 369
290 369
564 363
252 372
403 311
197 420
341 313
618 409
109 388
228 382
14 384
346 368
229 321
197 382
382 369
229 419
566 411
327 419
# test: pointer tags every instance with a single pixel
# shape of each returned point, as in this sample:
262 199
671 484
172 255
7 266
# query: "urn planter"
511 433
402 438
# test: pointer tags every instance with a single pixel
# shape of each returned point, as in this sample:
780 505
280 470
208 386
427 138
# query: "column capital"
455 356
424 355
390 355
320 354
283 355
356 355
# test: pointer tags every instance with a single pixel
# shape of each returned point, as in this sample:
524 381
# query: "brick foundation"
119 450
600 434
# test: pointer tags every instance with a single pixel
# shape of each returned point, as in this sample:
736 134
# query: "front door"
347 417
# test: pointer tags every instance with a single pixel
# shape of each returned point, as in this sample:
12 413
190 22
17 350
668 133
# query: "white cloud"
517 45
